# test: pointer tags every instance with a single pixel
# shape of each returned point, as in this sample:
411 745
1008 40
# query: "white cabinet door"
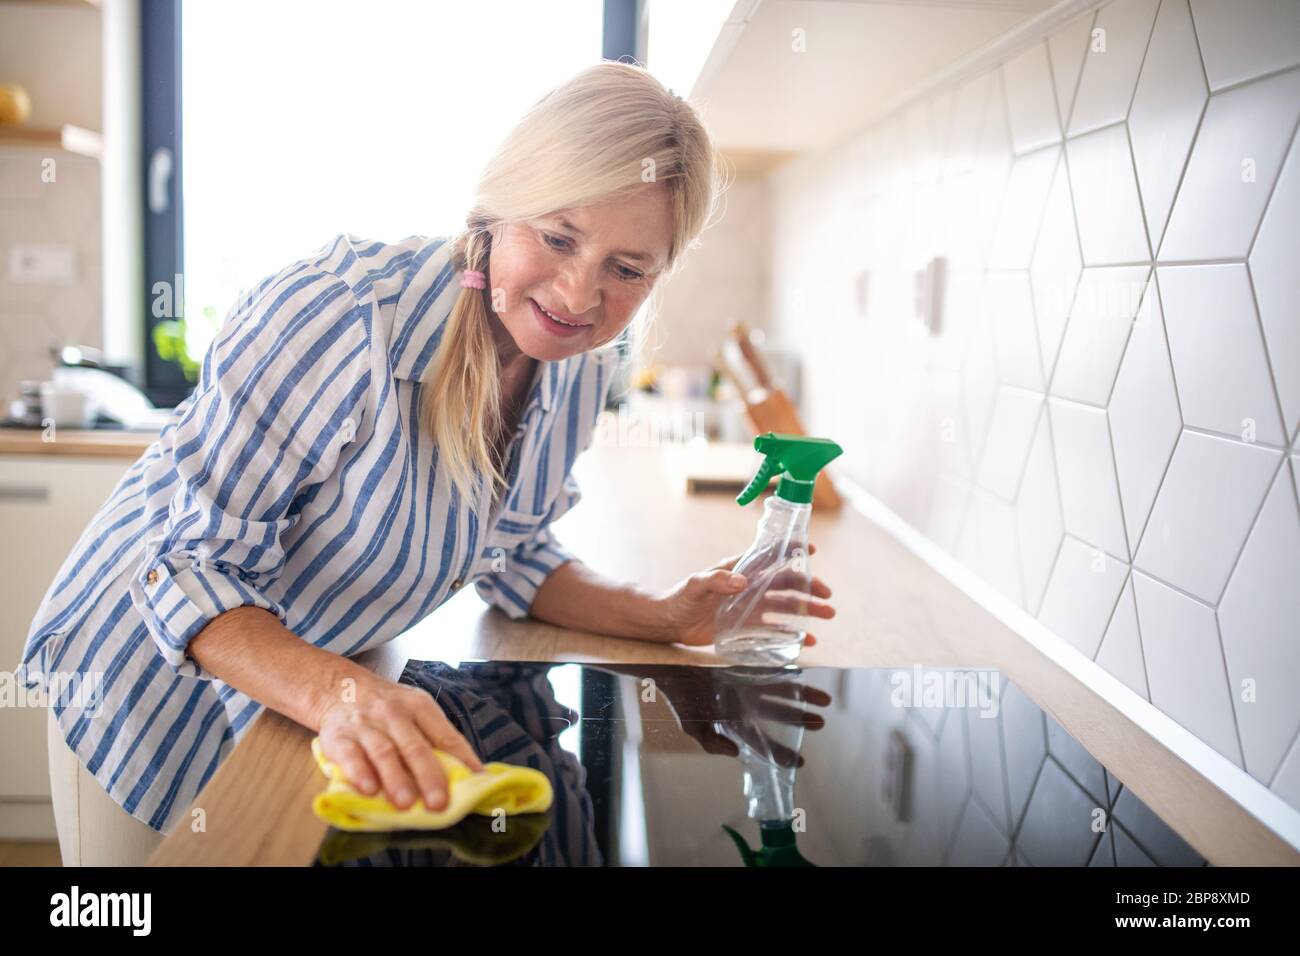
46 501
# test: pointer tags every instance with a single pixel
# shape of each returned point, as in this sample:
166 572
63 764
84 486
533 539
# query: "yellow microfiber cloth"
499 787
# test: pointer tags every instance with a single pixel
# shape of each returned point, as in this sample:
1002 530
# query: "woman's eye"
631 275
558 243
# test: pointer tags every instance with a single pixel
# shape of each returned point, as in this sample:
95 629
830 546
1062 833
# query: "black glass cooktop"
707 766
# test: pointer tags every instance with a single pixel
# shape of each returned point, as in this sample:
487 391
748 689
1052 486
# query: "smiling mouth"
558 320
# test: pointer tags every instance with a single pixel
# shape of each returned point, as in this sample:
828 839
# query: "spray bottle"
750 626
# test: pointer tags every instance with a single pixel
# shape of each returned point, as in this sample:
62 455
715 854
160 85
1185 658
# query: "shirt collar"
422 310
420 318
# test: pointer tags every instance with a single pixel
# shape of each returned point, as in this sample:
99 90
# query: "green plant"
169 341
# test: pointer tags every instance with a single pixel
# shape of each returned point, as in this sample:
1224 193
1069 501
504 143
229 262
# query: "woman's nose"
579 287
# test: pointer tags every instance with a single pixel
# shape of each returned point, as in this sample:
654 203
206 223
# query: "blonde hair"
588 140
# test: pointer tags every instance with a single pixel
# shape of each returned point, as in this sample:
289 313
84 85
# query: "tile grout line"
1156 246
1254 295
1142 649
1232 694
1250 530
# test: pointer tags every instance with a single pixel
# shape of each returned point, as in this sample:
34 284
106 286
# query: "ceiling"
758 93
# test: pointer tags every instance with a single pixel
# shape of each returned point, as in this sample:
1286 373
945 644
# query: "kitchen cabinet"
46 501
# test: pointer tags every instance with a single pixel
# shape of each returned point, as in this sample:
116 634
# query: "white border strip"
1247 792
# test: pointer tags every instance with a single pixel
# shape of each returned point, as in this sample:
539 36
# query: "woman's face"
591 266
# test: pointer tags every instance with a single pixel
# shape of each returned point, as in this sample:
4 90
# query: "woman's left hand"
688 610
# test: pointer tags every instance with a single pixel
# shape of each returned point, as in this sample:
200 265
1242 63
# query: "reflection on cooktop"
686 766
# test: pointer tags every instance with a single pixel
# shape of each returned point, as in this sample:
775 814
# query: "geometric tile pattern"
1113 449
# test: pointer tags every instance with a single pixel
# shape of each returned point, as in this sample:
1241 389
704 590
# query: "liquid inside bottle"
765 623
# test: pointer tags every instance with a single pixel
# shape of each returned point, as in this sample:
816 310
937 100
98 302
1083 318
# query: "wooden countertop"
892 609
85 442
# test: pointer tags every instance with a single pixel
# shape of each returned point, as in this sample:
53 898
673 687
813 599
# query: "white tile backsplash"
1067 48
1218 355
1144 416
1010 303
1277 287
1243 139
1038 516
1015 413
1022 209
1081 594
1121 648
988 543
1031 102
1105 305
1287 782
1243 39
1116 47
1185 664
1134 455
1054 271
1206 505
1166 110
1111 229
1085 468
1257 617
980 384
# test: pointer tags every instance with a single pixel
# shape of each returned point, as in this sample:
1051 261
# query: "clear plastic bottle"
763 623
749 629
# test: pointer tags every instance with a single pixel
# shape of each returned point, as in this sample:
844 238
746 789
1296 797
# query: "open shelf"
71 139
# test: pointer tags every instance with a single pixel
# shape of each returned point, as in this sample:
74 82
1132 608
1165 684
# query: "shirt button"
455 585
152 576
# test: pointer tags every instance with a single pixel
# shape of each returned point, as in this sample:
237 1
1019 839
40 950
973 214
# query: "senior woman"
375 427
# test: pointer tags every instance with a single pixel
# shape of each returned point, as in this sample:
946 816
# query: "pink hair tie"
473 280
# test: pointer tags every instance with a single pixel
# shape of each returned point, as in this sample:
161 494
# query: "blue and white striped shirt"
295 478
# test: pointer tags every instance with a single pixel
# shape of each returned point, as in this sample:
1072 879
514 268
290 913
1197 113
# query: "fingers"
789 714
423 765
795 690
796 602
722 581
385 758
351 759
795 580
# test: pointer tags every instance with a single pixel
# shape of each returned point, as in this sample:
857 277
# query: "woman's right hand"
386 735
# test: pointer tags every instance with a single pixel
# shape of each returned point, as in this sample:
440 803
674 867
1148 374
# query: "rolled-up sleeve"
278 398
513 583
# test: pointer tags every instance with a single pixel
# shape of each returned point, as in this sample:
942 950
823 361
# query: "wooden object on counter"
720 468
770 409
892 610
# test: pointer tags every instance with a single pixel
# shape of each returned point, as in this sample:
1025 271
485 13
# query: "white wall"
722 280
1130 483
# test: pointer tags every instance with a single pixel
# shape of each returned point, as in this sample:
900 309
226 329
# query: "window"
298 120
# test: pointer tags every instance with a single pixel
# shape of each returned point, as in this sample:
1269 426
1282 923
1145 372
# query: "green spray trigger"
798 458
778 849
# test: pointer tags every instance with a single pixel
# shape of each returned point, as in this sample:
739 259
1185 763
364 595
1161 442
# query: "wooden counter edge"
87 443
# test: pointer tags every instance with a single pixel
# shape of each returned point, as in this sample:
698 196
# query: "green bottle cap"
797 458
